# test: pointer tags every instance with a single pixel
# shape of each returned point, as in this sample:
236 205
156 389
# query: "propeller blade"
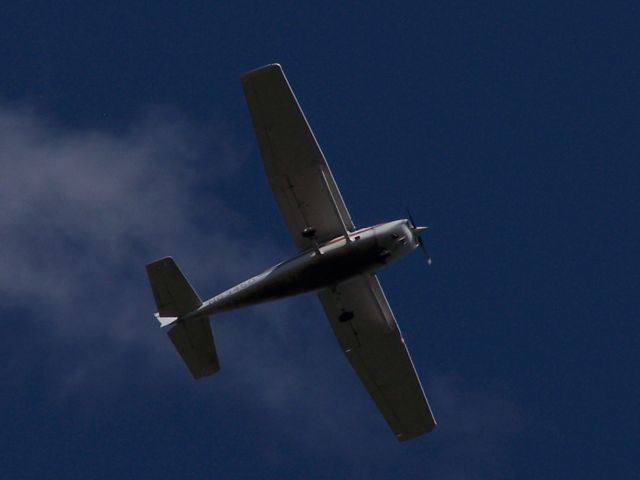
417 231
413 223
425 251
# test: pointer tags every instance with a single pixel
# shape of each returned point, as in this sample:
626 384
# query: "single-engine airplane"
335 259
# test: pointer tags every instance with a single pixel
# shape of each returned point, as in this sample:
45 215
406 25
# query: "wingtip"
411 434
260 70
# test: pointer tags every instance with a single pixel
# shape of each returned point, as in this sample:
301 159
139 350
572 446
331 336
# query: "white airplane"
335 259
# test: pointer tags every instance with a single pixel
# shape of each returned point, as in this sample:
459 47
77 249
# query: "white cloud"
478 424
84 211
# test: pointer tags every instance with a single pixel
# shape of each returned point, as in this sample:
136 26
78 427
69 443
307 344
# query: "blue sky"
510 128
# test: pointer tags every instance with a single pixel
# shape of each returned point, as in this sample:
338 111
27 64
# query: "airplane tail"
175 297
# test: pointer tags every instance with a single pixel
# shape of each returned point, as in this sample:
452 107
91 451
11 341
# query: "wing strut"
334 204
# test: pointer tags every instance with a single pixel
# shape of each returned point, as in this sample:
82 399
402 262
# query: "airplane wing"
369 335
296 168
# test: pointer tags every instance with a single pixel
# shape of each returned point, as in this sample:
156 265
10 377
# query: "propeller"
417 231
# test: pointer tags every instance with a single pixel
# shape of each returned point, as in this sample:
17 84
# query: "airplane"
335 259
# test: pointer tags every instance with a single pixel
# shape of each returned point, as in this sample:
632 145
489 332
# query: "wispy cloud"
84 211
479 422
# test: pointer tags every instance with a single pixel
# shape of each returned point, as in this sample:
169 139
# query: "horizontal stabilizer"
194 341
175 298
173 294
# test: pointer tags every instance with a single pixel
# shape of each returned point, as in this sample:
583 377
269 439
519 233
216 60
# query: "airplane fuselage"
333 262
